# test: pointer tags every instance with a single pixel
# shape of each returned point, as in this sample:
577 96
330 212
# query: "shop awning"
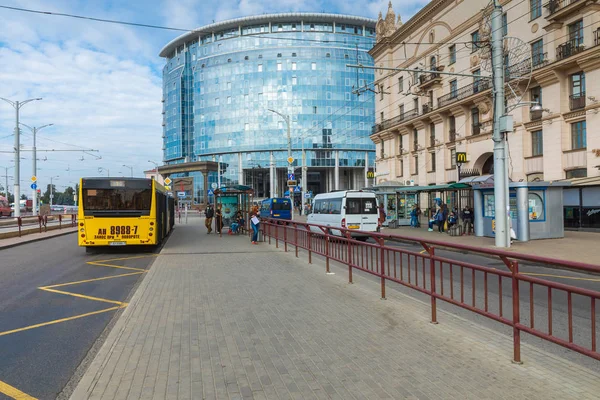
434 188
478 179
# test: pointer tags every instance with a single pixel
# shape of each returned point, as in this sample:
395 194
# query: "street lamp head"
537 107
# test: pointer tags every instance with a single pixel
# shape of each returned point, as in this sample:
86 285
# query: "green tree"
23 197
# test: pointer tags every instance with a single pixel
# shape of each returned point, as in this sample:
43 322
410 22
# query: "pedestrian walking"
382 215
255 223
467 220
419 217
208 213
219 220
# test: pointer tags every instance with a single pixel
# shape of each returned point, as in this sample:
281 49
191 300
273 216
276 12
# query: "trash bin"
393 224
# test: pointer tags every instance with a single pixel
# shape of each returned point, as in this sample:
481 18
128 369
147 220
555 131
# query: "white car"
351 209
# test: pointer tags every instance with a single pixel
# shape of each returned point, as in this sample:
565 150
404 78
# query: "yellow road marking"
57 321
94 280
99 264
124 258
15 393
562 277
82 296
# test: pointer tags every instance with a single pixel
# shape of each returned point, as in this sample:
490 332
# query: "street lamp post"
130 169
35 130
17 190
155 169
52 190
6 178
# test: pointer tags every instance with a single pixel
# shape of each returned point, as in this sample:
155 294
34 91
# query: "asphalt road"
581 305
39 361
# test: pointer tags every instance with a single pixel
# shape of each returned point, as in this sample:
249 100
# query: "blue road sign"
307 195
210 192
34 186
291 177
297 189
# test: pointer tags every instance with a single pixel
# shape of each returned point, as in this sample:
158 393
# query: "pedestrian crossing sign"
210 192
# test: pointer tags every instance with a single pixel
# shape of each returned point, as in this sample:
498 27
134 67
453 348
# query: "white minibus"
351 209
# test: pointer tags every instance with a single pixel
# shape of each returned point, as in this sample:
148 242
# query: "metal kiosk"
536 209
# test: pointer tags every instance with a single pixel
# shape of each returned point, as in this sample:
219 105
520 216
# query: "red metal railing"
450 280
42 222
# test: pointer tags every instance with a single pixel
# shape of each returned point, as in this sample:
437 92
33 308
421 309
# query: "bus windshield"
119 200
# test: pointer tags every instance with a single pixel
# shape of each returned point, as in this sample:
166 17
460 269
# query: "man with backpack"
209 214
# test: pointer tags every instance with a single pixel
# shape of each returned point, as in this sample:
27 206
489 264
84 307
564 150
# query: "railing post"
381 242
516 313
19 222
326 251
349 242
276 227
431 251
40 222
59 221
285 243
309 236
296 238
45 223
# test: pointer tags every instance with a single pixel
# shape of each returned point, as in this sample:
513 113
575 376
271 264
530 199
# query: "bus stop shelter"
232 199
454 195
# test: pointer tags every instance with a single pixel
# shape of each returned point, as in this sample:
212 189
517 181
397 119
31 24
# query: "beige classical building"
423 119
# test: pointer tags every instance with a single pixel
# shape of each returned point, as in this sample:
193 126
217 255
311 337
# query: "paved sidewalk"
34 237
575 246
219 318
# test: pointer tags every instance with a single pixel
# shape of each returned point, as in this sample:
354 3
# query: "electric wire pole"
501 205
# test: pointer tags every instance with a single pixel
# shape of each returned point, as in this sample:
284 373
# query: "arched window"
433 63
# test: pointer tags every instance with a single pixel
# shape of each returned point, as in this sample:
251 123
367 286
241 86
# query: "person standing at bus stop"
208 213
219 219
255 223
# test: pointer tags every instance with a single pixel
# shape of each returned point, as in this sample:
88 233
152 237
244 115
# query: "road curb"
8 246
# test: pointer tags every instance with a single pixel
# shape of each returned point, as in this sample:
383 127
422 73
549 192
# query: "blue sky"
101 82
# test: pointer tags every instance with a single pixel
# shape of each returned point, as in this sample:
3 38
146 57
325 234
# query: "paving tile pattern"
218 318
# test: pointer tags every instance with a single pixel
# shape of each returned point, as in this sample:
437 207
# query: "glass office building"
230 88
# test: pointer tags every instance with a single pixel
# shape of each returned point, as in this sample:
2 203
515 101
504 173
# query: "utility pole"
6 183
502 229
35 130
17 190
52 190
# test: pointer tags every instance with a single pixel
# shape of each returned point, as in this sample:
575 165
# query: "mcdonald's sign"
370 174
461 157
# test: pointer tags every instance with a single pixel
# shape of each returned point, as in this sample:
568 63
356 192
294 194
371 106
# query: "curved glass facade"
220 83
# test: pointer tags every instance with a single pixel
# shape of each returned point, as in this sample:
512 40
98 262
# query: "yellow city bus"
123 212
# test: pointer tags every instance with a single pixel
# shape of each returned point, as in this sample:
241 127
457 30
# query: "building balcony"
558 9
464 92
427 107
570 48
428 80
539 60
452 135
475 129
577 101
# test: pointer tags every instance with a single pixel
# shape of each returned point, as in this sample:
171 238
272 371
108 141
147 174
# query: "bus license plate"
117 244
353 226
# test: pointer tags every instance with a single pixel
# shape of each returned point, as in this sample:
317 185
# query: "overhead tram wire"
141 25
